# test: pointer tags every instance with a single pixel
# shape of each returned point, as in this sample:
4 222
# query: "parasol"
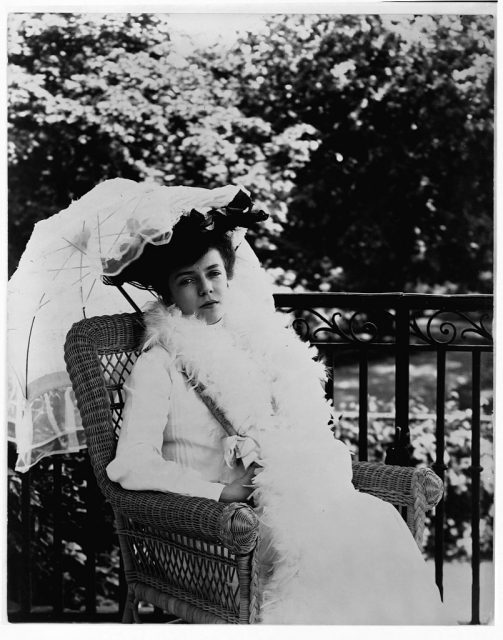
59 280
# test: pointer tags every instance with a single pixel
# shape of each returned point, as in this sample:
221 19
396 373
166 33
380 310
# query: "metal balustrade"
354 325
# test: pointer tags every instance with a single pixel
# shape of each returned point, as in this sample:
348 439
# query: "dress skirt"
361 567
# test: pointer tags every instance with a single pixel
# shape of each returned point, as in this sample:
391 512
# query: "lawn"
422 372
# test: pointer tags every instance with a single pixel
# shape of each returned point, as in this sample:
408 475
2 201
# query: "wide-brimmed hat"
150 213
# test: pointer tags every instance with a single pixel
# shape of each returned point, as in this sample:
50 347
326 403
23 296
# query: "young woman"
169 440
328 554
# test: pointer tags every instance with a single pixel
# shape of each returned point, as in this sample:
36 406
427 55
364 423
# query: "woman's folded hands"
240 489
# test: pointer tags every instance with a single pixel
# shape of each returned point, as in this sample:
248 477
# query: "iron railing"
343 326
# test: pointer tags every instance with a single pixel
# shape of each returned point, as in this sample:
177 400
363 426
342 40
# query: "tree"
100 96
398 190
368 138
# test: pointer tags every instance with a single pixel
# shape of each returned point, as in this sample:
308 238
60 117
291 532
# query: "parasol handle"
129 298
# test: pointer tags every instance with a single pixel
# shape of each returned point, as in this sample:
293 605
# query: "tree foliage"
369 138
398 189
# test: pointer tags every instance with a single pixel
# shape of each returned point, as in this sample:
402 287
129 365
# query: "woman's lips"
209 304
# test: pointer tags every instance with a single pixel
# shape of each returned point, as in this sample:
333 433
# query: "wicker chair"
191 557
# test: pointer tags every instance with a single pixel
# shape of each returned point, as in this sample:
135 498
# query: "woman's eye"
185 282
215 274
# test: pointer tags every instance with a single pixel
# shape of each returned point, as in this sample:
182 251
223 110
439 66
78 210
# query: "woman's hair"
190 241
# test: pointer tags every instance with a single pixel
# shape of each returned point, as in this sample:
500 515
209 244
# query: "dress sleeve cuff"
140 469
215 491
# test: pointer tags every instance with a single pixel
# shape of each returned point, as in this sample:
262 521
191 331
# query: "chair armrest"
417 489
398 485
234 525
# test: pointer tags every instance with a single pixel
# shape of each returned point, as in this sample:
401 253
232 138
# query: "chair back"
100 353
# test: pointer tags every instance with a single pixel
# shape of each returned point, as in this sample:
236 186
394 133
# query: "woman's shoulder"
154 351
162 325
153 355
157 319
153 366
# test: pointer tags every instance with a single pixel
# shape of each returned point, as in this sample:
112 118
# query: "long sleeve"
139 464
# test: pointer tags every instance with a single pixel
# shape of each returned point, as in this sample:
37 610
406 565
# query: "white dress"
169 439
351 559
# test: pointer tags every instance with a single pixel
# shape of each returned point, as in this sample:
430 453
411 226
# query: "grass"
423 379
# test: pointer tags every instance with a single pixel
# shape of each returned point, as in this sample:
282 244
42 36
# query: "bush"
368 138
77 527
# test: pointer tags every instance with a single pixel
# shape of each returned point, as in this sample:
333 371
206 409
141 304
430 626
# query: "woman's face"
199 289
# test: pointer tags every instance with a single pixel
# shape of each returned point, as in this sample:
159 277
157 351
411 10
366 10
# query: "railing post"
475 471
399 453
57 539
92 531
439 468
363 374
122 586
329 359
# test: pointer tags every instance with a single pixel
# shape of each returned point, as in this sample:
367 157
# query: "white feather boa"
269 387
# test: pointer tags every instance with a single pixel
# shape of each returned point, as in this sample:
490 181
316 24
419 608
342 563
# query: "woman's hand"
240 489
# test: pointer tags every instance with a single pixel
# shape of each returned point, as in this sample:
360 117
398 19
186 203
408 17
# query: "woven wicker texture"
419 490
192 557
168 563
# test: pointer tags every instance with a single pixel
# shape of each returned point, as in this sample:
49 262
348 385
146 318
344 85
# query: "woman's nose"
205 287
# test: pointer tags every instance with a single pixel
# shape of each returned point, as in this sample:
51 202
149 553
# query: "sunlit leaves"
353 130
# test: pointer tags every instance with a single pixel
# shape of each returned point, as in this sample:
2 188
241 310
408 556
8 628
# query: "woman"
192 274
350 558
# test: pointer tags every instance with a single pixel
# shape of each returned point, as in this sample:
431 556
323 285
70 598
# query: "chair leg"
130 614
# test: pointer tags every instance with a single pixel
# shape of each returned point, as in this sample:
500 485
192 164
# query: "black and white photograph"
249 315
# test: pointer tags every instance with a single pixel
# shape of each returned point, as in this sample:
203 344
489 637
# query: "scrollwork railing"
450 329
350 319
355 327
